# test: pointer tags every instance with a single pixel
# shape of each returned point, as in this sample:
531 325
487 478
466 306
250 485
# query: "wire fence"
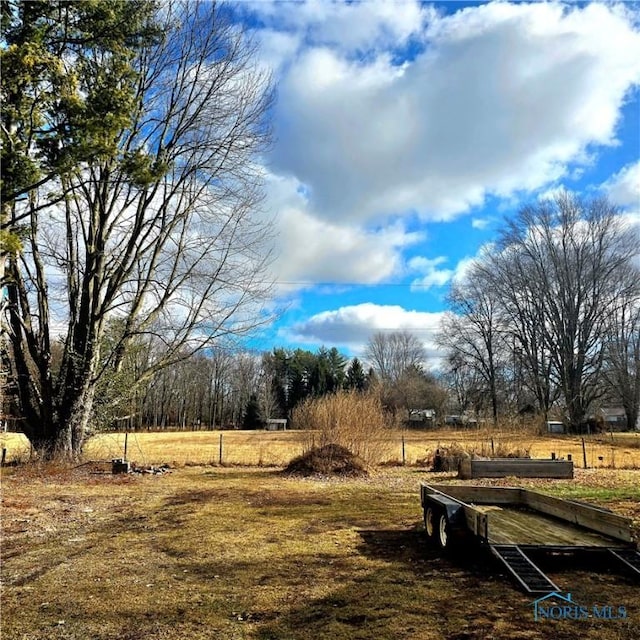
278 448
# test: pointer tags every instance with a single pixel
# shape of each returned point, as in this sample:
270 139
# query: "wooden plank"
522 468
476 517
481 495
524 527
464 469
609 524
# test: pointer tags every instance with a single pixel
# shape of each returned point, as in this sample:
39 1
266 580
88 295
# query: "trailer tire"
430 522
443 532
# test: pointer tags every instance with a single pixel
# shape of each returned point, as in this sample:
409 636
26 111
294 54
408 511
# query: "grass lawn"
239 552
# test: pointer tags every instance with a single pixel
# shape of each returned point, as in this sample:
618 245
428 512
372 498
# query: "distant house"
614 418
422 416
463 420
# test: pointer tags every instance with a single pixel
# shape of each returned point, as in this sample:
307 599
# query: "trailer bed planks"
511 522
588 516
524 527
581 516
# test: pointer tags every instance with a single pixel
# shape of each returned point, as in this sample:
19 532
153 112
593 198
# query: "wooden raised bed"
518 467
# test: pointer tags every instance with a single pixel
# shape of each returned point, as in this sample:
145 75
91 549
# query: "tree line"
547 319
224 388
231 388
133 249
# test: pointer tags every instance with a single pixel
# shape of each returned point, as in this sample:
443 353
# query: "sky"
406 132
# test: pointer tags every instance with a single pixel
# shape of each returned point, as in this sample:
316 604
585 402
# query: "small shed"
276 424
555 426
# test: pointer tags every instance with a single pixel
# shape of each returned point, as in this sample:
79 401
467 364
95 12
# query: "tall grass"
353 420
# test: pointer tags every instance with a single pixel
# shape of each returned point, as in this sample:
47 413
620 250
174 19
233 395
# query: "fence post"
220 455
403 454
584 454
613 453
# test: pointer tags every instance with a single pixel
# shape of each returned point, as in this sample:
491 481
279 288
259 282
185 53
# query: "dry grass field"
276 448
222 553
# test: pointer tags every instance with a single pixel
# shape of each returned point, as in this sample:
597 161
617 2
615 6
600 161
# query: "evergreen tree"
355 378
252 418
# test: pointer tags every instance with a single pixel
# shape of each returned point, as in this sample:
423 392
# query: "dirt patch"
331 459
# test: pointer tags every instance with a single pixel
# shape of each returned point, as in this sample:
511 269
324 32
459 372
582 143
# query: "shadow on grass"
410 591
412 548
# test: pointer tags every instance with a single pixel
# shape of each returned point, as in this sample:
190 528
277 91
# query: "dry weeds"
277 448
355 421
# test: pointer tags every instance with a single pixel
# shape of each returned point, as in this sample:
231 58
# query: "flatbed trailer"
514 522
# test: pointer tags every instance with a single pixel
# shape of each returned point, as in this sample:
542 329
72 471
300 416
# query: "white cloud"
277 49
481 223
432 276
504 98
352 326
464 265
350 27
624 187
315 250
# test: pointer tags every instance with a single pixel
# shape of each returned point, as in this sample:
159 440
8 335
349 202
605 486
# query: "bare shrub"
448 457
500 450
353 420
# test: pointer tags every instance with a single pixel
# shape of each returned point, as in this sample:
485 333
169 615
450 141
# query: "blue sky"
405 132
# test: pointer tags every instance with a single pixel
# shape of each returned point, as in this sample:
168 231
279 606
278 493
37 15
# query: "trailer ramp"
523 569
630 558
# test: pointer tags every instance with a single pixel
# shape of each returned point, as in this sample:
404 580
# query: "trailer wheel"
443 532
430 522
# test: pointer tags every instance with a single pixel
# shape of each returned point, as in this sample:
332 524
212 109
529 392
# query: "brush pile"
328 460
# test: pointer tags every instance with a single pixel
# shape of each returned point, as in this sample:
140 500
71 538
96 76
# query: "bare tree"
161 233
391 354
507 274
244 378
561 273
622 356
472 332
464 382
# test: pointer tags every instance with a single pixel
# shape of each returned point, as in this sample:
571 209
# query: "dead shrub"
355 421
448 457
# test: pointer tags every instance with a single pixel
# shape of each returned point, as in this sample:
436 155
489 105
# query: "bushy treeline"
228 388
223 388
